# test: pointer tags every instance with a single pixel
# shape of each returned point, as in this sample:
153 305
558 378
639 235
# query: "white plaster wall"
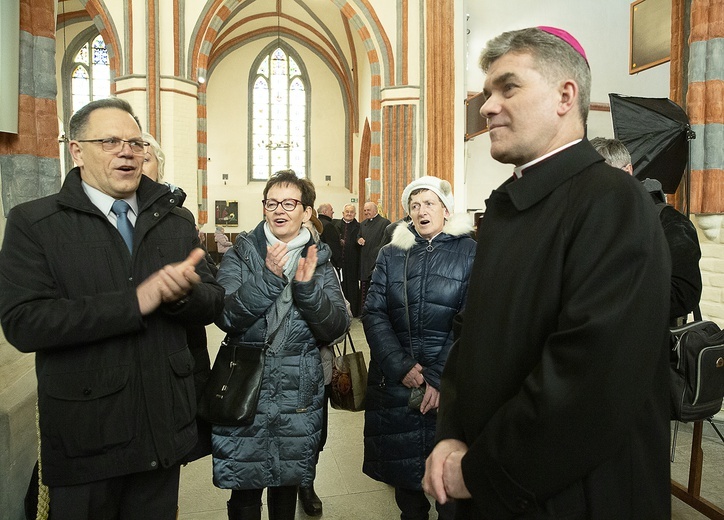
414 50
179 140
226 137
166 41
711 240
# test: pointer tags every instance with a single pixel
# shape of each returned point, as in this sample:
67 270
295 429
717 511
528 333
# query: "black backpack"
697 371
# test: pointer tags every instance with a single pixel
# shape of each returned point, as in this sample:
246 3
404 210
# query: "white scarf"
280 310
294 248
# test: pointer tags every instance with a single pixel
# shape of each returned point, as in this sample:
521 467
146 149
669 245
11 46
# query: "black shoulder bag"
231 395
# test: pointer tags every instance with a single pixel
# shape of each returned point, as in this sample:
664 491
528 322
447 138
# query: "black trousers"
149 494
281 501
414 505
350 288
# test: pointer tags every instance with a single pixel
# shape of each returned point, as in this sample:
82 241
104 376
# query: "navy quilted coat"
279 447
397 439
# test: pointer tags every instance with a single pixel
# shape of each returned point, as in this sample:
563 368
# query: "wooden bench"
691 494
211 245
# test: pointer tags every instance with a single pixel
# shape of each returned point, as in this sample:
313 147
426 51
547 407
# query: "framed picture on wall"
650 36
475 124
226 213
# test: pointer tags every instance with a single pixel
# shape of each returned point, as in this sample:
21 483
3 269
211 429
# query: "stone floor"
350 495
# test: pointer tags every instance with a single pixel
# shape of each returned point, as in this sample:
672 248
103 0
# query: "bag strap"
697 313
343 352
270 337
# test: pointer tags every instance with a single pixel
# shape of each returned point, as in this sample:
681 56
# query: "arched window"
90 75
280 103
86 75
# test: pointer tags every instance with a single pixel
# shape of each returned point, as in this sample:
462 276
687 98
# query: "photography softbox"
656 133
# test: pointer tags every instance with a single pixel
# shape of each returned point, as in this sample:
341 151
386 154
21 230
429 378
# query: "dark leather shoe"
311 503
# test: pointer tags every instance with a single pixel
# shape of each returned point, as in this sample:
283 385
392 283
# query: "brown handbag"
349 378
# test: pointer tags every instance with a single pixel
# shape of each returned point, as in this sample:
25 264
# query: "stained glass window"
279 112
90 73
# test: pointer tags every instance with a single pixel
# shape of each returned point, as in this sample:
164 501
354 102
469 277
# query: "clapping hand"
276 258
306 266
170 283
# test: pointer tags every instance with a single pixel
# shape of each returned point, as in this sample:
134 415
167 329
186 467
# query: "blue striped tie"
120 208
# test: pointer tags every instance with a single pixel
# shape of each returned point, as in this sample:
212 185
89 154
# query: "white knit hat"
440 187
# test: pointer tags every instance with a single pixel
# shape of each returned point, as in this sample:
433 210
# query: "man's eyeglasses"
115 144
287 204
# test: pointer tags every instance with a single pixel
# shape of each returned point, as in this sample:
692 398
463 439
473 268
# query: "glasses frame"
278 203
108 141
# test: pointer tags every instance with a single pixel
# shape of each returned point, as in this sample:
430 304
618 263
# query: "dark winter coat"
330 236
397 438
280 447
115 388
685 253
348 232
559 383
373 231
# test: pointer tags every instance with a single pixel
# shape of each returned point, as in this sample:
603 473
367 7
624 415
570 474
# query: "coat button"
154 463
172 201
156 214
87 391
522 502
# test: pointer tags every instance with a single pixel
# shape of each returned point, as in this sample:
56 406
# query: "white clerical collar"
518 170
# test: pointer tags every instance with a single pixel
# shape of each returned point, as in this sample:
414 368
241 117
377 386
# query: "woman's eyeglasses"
287 204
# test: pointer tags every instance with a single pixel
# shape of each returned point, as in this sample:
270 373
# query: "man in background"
99 281
554 402
330 235
679 231
348 228
371 238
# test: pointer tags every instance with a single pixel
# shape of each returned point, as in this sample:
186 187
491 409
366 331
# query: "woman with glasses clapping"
277 279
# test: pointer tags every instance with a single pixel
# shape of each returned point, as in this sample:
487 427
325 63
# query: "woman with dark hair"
277 279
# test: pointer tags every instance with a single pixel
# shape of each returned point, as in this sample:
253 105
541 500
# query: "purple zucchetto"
566 37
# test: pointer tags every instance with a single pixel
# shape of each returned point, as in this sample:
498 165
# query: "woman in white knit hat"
419 284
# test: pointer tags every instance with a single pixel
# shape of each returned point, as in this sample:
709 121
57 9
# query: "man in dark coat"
101 294
330 234
679 231
554 401
154 168
348 228
371 238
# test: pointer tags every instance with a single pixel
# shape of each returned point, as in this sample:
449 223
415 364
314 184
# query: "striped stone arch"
382 74
215 16
99 14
